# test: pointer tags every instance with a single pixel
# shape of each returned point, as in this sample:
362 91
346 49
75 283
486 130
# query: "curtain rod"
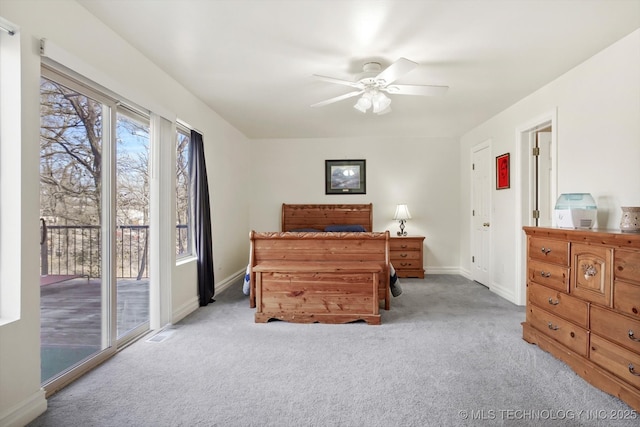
8 30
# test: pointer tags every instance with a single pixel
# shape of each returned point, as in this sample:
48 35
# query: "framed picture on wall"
345 177
502 172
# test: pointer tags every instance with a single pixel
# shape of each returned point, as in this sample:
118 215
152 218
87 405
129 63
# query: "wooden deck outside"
71 318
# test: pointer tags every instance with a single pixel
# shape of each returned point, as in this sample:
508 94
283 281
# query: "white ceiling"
252 60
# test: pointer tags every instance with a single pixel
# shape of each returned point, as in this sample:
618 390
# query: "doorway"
536 184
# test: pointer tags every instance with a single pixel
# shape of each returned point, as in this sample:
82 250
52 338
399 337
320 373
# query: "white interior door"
481 213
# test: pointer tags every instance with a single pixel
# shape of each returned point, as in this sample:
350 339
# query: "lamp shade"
380 102
402 213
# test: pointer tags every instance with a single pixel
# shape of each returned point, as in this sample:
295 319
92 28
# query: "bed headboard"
319 216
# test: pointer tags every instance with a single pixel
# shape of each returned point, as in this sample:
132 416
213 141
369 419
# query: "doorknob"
485 224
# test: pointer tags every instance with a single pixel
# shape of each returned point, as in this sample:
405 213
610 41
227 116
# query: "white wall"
598 133
123 70
421 172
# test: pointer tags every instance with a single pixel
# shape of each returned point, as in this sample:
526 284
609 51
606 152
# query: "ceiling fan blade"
338 98
416 90
396 70
338 81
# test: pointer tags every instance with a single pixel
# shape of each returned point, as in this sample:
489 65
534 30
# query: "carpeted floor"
449 352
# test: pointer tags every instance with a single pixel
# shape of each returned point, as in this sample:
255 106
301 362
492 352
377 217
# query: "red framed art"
502 172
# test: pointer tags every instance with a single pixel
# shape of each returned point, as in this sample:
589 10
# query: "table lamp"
402 214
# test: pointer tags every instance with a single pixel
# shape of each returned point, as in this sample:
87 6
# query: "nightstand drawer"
404 244
405 255
404 264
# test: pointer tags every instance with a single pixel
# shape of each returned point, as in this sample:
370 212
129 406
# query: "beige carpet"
449 353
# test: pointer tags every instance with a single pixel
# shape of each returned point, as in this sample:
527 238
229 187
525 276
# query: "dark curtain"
201 216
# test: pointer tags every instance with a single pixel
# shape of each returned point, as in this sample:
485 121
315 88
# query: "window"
183 211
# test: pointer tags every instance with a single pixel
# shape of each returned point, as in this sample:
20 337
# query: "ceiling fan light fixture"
380 102
363 104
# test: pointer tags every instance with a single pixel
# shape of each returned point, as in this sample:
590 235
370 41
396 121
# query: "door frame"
523 174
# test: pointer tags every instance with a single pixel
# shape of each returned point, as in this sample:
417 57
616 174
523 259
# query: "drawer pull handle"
403 255
632 337
552 302
545 250
403 246
632 370
404 264
553 327
545 274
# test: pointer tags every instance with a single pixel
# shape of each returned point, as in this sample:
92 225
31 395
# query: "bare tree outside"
183 233
70 181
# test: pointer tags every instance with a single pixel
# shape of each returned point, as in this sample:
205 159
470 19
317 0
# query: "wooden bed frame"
296 217
306 277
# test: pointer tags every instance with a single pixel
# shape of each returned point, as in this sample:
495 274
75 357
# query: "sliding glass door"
94 220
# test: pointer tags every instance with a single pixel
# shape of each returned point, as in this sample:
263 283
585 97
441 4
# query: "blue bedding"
394 283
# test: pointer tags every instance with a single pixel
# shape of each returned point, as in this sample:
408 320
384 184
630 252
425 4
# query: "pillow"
306 230
344 227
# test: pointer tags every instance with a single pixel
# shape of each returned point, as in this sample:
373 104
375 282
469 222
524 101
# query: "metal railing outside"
76 250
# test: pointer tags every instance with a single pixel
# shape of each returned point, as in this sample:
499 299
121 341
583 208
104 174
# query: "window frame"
189 251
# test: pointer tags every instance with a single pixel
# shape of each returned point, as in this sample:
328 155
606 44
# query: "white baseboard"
230 281
506 294
25 412
189 307
184 310
466 274
442 270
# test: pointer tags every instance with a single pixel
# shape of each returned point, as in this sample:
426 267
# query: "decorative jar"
630 221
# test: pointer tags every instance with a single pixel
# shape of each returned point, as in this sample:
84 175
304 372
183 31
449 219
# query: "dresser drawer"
549 250
560 304
626 265
626 298
406 244
615 359
616 327
551 275
563 331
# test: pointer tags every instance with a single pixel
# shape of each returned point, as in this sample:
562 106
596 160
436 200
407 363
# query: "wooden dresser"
583 304
407 256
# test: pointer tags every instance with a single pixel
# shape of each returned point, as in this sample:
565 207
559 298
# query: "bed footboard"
317 292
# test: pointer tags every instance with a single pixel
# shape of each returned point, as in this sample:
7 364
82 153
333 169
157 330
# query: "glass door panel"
74 286
132 224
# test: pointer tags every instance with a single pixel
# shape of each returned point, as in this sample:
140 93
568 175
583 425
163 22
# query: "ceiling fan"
373 83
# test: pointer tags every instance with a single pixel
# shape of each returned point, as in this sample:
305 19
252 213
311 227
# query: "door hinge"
536 151
536 214
473 166
473 212
473 259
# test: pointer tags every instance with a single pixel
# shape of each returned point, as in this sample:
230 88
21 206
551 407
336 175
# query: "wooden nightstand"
406 256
